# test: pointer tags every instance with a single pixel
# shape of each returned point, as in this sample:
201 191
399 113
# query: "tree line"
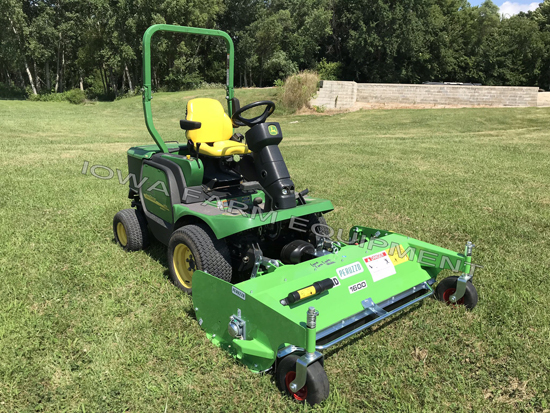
50 46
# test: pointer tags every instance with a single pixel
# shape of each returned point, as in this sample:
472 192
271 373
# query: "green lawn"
85 326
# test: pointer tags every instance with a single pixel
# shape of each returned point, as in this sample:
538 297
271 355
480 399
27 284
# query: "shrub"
76 96
12 92
299 89
48 97
213 85
329 70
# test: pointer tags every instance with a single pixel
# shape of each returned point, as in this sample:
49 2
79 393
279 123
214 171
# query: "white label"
336 282
349 270
238 293
356 287
379 265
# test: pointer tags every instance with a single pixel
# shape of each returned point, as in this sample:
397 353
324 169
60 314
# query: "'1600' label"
356 287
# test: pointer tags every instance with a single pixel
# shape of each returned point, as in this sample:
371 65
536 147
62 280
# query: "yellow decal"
398 256
154 201
306 292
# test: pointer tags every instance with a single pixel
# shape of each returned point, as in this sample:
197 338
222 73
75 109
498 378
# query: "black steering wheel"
238 120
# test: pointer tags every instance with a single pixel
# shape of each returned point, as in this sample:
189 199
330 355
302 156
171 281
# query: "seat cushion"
215 124
224 148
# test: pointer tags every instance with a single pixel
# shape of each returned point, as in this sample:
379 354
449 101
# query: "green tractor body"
270 284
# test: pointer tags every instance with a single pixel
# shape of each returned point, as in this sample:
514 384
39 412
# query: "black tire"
208 254
317 387
134 227
317 227
447 287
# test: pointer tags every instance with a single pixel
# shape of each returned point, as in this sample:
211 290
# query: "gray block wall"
336 95
340 95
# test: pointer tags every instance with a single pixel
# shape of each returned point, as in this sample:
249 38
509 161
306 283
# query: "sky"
509 8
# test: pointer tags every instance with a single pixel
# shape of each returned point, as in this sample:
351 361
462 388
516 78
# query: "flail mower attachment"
285 316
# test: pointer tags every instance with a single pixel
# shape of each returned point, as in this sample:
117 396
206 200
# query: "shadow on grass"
157 251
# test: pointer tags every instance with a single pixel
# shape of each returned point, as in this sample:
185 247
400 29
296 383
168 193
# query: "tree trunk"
30 78
103 81
130 85
25 60
21 80
81 83
62 79
37 78
113 81
245 79
57 74
47 74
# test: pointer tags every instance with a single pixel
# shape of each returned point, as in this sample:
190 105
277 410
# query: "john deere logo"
272 129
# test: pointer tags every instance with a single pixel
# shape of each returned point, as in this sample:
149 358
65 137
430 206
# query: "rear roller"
316 388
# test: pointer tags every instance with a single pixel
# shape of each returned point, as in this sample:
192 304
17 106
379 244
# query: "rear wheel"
195 247
316 388
447 287
130 229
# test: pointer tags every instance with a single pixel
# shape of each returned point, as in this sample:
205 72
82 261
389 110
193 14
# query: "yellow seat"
216 129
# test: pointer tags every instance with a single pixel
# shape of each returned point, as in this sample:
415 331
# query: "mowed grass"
85 326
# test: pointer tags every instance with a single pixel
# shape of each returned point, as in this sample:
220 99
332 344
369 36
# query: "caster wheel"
195 247
447 287
130 230
316 388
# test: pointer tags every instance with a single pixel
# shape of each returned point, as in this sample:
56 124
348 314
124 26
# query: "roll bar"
147 92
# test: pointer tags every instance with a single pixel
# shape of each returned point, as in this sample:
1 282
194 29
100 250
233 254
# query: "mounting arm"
147 92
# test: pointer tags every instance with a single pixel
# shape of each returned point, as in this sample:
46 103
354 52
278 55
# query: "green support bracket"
147 92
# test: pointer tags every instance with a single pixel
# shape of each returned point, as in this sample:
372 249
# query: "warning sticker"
379 265
397 255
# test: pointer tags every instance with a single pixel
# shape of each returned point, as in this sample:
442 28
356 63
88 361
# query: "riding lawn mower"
268 283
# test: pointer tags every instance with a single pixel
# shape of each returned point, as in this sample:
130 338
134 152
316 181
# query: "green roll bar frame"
147 92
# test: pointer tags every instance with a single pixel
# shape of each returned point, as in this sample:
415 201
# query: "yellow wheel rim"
184 264
121 234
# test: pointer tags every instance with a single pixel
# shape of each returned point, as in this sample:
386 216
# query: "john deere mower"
269 284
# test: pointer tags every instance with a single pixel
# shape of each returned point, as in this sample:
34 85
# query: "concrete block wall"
447 94
543 99
336 95
340 95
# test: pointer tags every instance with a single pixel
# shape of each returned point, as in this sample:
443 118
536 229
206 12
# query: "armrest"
189 125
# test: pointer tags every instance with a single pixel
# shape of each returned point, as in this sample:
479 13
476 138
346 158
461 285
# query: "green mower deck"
372 281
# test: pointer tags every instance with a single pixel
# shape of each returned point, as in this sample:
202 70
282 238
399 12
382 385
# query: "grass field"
87 327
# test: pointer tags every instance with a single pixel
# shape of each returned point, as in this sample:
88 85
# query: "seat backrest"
216 126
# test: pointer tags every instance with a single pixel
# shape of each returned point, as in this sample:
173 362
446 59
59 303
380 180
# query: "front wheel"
195 247
316 388
447 287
